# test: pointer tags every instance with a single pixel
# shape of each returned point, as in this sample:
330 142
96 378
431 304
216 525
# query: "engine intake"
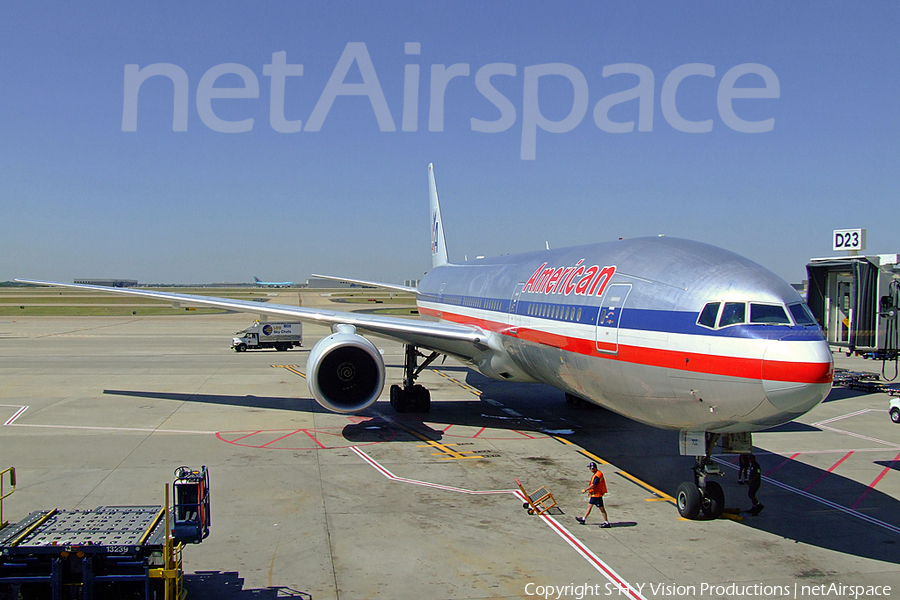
345 372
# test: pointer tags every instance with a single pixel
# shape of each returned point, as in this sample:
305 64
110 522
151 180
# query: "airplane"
272 283
677 334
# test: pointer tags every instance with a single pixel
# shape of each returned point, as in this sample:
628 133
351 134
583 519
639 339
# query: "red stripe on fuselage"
748 368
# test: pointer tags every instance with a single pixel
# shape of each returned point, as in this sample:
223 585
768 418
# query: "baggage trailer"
108 553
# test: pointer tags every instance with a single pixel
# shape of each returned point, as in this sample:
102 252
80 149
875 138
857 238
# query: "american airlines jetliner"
673 333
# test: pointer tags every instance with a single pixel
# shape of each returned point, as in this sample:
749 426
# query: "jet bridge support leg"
412 397
703 494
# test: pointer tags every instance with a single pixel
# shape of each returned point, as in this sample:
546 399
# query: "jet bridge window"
772 314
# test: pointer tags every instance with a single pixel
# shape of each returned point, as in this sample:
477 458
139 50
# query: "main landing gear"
412 397
703 494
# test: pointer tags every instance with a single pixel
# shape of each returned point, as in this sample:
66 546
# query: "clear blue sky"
82 195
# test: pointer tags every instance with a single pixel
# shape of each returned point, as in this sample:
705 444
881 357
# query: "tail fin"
438 244
256 279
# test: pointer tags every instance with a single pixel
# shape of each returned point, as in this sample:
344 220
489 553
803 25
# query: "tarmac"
99 411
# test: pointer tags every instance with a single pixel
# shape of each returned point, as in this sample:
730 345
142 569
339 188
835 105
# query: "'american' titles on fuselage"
561 280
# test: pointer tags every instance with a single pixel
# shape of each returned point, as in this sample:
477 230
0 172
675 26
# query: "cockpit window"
801 314
732 314
768 313
708 315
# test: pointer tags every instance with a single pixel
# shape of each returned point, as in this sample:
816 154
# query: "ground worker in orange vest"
596 489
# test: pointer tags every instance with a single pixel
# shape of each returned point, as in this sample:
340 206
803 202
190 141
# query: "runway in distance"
273 283
677 334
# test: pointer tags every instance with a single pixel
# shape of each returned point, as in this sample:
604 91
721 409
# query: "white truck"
281 336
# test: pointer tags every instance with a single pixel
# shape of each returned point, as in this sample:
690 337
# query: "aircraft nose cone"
797 375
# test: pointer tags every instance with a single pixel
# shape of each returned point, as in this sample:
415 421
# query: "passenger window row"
559 312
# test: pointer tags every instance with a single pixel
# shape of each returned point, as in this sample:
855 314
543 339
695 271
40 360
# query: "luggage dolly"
538 502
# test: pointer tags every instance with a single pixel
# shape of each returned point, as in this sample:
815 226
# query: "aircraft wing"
386 286
446 338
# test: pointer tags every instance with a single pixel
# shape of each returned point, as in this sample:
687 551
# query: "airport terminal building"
108 282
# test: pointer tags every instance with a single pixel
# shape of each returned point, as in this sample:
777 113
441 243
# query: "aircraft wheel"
713 502
421 399
396 398
687 498
895 415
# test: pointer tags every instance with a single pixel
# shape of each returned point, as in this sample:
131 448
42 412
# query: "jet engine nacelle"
345 371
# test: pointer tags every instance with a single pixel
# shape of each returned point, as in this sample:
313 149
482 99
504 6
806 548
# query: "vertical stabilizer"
438 244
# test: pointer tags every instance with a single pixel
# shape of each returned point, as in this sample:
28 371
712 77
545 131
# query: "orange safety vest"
596 490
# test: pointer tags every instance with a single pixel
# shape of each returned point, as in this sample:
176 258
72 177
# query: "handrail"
12 482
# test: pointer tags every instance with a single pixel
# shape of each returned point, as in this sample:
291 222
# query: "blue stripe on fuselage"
662 321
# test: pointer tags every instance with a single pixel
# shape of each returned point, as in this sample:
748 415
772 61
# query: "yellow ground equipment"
4 493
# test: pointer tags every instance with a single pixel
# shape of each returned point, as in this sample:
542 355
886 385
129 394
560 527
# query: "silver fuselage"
618 324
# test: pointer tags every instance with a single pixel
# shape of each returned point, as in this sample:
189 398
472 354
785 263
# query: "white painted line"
822 425
820 500
862 437
16 415
126 429
853 414
622 586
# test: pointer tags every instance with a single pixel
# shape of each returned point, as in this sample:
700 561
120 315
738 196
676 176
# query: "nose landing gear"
703 494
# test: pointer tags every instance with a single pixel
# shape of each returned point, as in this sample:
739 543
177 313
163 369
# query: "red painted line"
444 430
244 436
825 474
282 437
480 431
313 438
784 462
530 437
624 588
874 483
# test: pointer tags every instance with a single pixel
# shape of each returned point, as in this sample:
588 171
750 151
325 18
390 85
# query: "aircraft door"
514 319
440 299
839 307
610 316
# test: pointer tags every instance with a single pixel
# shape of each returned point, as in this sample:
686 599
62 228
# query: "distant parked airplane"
676 334
272 283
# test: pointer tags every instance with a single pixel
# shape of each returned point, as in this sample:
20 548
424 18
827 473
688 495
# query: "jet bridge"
855 299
